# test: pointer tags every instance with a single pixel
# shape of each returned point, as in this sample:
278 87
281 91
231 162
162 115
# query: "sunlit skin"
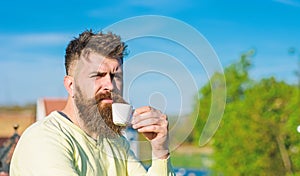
97 74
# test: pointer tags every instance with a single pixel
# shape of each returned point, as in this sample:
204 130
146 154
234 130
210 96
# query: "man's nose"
108 82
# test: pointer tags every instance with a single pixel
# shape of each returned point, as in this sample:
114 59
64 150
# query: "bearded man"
82 138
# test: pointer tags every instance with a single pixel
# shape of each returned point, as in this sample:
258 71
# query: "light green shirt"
56 146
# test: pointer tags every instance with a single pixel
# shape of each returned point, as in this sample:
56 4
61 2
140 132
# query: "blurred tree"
257 135
237 80
261 134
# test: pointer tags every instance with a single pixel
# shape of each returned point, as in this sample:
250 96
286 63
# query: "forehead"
97 62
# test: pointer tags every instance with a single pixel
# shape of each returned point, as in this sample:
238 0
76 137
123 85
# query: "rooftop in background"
46 105
26 116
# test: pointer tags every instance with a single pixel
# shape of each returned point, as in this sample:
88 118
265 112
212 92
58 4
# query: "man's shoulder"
43 135
42 128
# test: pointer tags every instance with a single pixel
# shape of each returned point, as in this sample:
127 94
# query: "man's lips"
106 100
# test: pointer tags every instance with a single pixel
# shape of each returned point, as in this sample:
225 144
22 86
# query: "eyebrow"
96 73
119 71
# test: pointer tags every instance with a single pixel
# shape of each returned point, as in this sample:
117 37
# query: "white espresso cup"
122 113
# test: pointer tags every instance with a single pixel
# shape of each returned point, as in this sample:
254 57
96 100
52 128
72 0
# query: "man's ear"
69 85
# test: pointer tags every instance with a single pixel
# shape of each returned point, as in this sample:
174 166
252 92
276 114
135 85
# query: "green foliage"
257 135
194 161
237 78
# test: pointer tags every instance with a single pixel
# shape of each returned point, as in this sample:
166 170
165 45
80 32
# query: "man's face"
98 81
98 75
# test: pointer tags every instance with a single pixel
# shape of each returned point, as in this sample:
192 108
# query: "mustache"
116 97
102 96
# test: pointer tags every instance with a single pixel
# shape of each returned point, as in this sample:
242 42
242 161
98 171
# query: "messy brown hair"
108 45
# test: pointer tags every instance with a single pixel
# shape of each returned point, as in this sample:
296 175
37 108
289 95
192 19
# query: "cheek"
88 88
119 85
86 91
97 85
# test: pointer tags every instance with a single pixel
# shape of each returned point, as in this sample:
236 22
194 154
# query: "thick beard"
96 117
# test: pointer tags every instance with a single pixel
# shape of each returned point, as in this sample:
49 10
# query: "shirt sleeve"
40 152
161 167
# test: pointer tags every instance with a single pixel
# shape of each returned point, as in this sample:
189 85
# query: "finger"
142 110
145 112
146 122
164 116
163 123
151 129
143 116
147 116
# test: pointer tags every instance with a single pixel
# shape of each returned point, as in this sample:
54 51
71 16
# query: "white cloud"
33 46
31 65
35 39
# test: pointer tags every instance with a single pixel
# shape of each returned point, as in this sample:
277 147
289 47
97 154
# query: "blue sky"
34 35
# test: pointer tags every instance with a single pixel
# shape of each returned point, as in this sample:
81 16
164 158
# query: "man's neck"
71 111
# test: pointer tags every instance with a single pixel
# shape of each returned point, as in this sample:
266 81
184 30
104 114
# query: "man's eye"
98 75
93 76
118 76
101 74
